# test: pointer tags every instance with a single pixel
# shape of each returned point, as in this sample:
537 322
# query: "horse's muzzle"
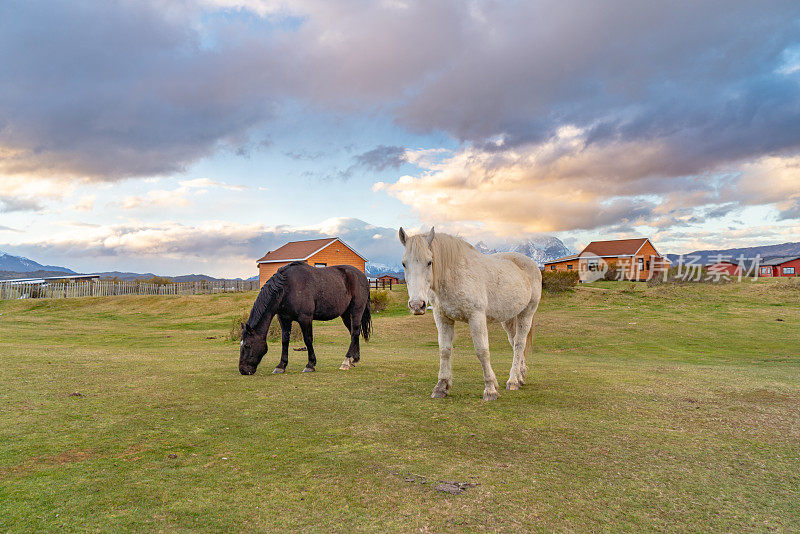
247 370
417 307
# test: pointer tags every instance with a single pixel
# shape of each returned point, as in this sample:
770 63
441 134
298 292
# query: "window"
648 265
569 267
320 265
640 263
788 270
552 267
765 270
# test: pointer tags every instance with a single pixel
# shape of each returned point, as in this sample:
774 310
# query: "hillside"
766 251
20 264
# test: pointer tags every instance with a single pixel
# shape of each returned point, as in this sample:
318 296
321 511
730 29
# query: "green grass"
670 408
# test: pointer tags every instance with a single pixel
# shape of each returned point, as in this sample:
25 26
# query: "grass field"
671 408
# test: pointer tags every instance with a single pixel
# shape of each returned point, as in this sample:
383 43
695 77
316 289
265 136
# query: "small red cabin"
786 266
389 279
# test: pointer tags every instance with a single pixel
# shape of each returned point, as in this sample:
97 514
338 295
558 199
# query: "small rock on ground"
454 488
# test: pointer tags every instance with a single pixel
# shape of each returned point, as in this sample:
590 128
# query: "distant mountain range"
539 251
767 251
19 267
24 265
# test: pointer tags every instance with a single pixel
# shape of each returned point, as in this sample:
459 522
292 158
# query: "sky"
193 136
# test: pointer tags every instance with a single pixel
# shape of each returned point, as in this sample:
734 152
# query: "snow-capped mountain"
25 265
377 269
540 251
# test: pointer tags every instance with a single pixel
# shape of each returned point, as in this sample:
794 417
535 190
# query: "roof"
779 260
745 264
565 258
616 247
302 250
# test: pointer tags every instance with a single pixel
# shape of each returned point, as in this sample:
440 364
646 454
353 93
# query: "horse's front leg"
286 332
446 328
308 338
480 339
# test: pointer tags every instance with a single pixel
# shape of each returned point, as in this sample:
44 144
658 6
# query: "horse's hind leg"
516 377
308 338
352 320
480 339
286 332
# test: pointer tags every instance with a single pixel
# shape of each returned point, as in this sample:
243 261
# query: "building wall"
562 266
334 254
794 263
724 268
337 254
266 270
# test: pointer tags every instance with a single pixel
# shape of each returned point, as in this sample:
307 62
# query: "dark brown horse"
299 292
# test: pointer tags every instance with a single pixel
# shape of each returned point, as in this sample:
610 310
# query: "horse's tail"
366 323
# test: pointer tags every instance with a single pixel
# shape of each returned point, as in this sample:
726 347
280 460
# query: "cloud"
10 204
214 247
174 197
19 193
85 203
208 183
567 184
569 113
113 90
382 157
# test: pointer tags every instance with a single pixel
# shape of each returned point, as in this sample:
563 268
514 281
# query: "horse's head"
253 348
418 266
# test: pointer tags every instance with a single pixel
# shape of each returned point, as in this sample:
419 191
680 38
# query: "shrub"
559 281
235 333
378 300
613 273
157 280
273 334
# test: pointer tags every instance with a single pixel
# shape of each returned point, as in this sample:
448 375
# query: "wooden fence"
381 284
107 288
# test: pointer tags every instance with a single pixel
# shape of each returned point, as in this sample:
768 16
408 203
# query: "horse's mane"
270 292
448 250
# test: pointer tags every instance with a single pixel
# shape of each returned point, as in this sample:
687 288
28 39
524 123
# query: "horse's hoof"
512 387
278 370
344 367
438 394
309 370
487 396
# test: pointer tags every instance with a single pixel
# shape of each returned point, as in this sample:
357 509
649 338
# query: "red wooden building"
389 279
785 266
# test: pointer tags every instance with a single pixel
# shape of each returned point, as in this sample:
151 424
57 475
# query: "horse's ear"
430 236
402 235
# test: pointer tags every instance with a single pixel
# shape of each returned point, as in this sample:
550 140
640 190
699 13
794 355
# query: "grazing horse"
299 292
462 284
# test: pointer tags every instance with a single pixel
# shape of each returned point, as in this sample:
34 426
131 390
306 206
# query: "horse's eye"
404 265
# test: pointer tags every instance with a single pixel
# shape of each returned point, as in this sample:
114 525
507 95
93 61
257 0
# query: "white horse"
462 284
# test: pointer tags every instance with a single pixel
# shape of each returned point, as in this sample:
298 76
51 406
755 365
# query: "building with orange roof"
634 259
317 252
